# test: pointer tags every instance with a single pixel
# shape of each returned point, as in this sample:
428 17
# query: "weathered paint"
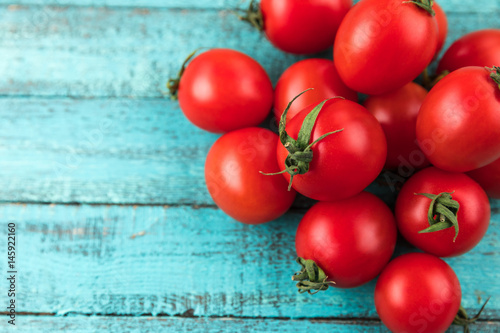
103 151
80 324
85 119
171 260
125 52
450 6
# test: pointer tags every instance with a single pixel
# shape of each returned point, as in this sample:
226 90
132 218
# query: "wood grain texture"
126 260
115 52
127 144
450 6
128 52
80 324
104 151
85 119
108 151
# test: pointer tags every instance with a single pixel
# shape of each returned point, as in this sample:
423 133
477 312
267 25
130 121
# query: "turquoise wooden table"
103 178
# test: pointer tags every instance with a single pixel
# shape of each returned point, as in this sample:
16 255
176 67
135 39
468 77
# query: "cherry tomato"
382 45
397 113
412 210
233 178
489 178
479 48
442 22
319 74
303 26
222 90
351 239
417 293
458 126
344 163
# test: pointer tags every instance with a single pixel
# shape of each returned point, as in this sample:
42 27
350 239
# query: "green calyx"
173 83
463 319
252 15
424 4
429 81
495 74
442 212
300 152
311 277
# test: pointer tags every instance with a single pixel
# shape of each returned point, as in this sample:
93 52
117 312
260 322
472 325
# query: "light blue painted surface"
450 6
107 151
118 150
123 52
169 260
116 140
101 151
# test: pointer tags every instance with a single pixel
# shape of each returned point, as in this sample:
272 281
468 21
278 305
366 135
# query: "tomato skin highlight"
222 90
417 292
478 48
489 178
233 178
365 52
344 163
351 239
303 26
397 113
458 126
473 215
319 74
442 22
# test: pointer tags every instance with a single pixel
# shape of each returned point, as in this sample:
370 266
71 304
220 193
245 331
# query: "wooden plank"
450 6
58 152
152 260
103 151
79 324
123 52
127 260
108 52
108 151
184 4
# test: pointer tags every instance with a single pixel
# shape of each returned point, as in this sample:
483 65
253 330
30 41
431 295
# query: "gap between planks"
189 314
299 209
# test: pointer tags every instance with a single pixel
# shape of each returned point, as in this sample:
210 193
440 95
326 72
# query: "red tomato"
489 178
351 240
397 113
458 126
303 26
344 163
382 45
232 174
442 22
473 215
222 90
319 74
479 48
417 293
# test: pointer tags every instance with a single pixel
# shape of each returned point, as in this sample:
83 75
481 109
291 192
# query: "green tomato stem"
442 213
173 83
462 318
311 278
300 152
431 81
495 74
252 15
424 4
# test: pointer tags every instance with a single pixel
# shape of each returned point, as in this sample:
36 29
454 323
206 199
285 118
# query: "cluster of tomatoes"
330 148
